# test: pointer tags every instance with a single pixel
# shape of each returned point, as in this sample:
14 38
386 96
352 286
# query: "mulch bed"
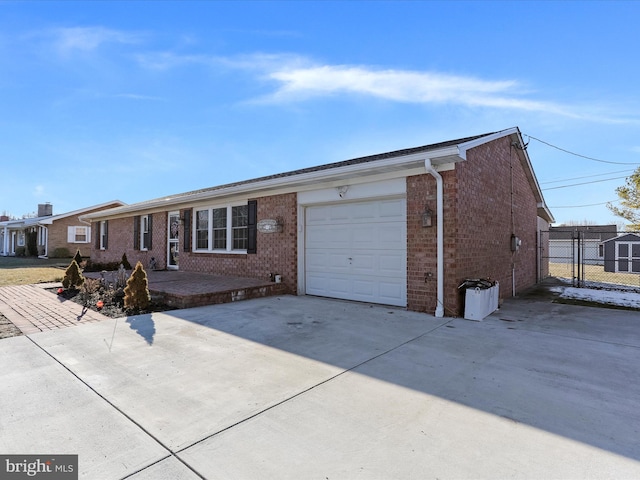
113 302
8 329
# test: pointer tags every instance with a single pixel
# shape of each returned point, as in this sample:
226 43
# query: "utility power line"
590 205
579 155
583 183
586 176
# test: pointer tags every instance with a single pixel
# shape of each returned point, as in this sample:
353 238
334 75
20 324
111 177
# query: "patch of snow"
608 297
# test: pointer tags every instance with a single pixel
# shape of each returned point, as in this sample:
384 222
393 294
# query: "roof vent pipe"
440 236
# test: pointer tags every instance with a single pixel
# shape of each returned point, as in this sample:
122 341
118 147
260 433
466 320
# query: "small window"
78 234
240 216
103 235
145 232
219 228
202 229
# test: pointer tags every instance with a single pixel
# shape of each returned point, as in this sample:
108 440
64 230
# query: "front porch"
181 289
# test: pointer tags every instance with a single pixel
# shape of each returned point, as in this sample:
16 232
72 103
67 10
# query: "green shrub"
32 244
21 251
60 252
136 293
72 276
78 257
92 266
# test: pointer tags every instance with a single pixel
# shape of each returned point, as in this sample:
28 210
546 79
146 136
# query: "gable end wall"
494 200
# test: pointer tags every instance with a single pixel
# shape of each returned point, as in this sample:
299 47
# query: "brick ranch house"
401 228
55 233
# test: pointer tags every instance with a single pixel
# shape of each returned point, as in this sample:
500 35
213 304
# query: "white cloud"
67 40
405 86
298 78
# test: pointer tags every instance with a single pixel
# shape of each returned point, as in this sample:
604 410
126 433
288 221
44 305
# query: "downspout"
439 236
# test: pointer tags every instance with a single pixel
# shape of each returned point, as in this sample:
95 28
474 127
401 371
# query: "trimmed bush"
60 252
78 257
136 293
72 276
32 244
92 266
125 263
21 251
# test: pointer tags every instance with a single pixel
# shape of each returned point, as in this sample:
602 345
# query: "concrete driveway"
301 387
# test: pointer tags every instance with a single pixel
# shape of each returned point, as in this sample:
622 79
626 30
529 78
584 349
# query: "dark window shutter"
252 224
136 232
187 231
106 234
149 239
98 237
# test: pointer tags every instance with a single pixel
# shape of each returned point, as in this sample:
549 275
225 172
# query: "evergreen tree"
125 262
72 276
78 257
629 194
136 293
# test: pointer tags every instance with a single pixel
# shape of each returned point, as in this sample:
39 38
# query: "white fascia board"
290 183
463 147
527 163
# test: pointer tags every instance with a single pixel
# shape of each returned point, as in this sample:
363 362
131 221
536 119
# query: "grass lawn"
24 271
595 273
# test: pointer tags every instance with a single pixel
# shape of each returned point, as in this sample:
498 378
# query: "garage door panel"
364 288
391 293
364 264
392 265
357 251
393 209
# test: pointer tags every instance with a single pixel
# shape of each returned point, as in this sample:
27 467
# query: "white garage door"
357 251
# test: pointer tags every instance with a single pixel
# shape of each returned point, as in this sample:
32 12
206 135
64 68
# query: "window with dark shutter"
105 235
97 244
252 224
149 234
136 232
187 231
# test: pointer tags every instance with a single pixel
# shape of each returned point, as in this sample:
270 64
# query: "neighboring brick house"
57 235
375 229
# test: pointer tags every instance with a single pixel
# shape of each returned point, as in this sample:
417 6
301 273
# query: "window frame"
73 238
104 232
145 232
228 229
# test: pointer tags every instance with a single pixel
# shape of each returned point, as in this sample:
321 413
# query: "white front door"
357 251
173 243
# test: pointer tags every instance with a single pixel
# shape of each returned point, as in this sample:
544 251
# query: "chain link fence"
592 256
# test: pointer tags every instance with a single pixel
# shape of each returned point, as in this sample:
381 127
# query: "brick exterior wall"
276 252
481 212
57 233
486 199
120 241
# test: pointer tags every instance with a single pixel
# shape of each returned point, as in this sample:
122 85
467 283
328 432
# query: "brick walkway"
33 309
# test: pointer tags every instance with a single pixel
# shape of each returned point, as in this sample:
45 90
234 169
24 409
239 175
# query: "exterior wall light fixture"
427 218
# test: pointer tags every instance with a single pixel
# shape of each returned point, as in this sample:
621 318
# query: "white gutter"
295 180
440 236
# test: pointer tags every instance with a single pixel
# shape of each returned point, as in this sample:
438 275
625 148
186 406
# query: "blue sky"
137 100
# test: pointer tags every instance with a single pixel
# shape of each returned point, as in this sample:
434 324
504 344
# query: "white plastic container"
480 302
